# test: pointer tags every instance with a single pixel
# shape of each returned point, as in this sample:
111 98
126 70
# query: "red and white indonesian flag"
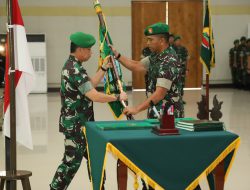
24 79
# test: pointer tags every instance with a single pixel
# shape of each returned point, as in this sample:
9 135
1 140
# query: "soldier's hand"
123 96
130 111
106 63
109 65
116 53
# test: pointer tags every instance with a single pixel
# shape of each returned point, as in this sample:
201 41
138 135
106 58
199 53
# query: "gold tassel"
136 184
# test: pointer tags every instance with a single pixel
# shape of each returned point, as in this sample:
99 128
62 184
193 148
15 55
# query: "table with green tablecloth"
175 162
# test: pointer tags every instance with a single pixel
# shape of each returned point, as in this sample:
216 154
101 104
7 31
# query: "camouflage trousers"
75 150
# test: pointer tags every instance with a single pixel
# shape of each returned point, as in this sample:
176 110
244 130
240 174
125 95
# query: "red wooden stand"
167 126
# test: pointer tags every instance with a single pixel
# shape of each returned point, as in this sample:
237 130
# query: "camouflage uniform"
233 63
240 65
247 70
242 60
164 69
75 111
182 54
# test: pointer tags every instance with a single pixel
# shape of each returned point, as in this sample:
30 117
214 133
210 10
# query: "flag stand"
208 59
12 174
207 96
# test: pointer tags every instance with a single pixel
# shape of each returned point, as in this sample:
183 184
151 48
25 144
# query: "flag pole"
207 83
11 142
207 95
99 13
122 171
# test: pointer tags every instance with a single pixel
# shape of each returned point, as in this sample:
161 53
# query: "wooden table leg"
26 184
219 176
122 175
2 181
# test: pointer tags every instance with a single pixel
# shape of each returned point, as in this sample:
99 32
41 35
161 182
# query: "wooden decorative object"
202 108
215 112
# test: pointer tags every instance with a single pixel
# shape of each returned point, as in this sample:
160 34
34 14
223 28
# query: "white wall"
227 28
227 24
230 2
249 29
59 28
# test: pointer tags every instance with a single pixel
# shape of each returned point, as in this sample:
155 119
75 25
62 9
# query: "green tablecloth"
166 162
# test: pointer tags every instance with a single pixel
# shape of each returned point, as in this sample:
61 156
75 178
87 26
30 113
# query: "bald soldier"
77 96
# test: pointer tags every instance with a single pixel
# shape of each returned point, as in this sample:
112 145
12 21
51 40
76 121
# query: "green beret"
177 38
158 28
82 40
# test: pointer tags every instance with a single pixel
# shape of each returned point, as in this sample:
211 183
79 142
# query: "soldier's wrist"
118 98
117 57
103 69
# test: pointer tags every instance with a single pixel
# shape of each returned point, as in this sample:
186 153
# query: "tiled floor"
48 142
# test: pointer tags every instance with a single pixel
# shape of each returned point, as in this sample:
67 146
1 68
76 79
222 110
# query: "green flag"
207 56
110 79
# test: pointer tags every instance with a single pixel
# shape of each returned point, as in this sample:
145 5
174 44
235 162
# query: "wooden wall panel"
143 15
185 19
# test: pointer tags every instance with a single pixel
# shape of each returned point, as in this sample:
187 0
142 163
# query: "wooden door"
185 19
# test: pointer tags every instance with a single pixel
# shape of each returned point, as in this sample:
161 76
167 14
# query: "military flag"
113 77
207 55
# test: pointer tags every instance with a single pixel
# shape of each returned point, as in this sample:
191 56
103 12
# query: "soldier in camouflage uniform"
242 46
171 40
164 72
182 54
248 63
233 60
77 96
248 44
240 63
246 66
